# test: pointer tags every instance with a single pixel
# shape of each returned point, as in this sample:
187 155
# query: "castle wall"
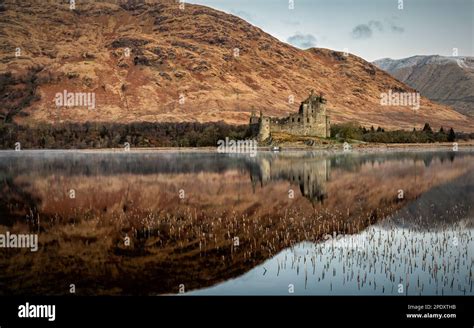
265 131
311 120
316 126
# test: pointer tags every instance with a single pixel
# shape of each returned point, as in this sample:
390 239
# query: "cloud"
362 31
397 29
303 41
374 24
392 22
365 31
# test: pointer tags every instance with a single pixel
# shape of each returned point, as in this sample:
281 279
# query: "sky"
371 29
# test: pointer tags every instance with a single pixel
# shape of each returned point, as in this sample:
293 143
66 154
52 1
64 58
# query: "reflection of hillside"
444 205
190 241
16 203
311 172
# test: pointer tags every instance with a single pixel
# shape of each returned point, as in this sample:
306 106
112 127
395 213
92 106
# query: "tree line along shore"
190 134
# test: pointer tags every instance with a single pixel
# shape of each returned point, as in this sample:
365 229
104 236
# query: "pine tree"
451 135
427 128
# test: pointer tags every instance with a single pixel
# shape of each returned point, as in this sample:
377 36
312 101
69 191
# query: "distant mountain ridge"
447 80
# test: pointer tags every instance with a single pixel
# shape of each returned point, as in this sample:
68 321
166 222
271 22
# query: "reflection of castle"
310 173
311 120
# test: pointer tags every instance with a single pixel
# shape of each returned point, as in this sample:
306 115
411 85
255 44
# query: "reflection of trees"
193 245
353 161
16 203
103 163
347 162
427 161
312 172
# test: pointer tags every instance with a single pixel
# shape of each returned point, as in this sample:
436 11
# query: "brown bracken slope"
188 53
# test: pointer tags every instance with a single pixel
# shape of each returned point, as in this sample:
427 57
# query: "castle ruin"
311 120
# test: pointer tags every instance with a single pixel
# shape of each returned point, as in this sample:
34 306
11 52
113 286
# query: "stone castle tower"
311 120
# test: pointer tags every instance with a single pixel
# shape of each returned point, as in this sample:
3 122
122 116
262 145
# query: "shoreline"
374 147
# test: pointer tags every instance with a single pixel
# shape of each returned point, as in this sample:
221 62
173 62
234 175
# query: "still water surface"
148 223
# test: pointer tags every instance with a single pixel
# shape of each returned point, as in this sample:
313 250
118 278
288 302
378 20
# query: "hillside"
180 53
447 80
